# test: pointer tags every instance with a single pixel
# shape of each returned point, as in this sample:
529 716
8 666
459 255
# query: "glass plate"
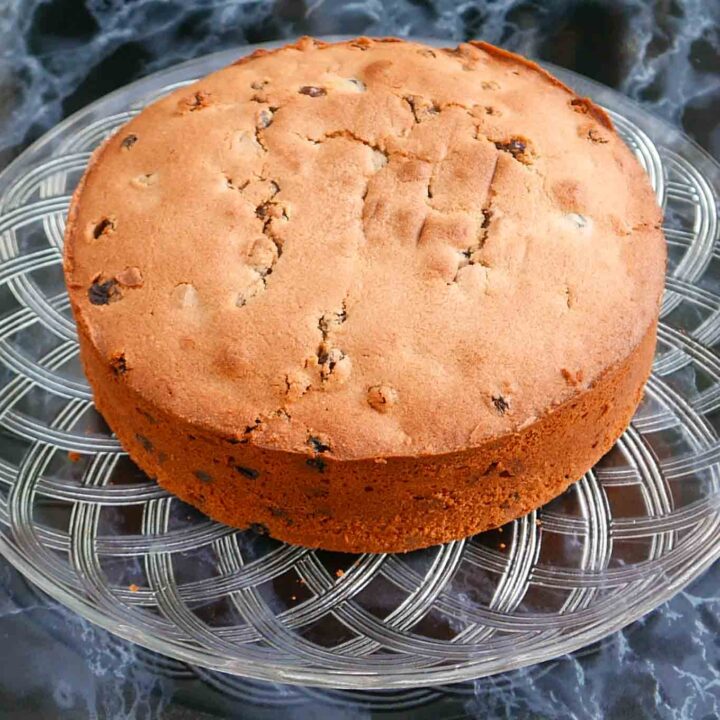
81 521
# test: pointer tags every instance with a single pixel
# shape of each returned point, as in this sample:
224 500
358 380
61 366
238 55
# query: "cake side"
376 504
398 250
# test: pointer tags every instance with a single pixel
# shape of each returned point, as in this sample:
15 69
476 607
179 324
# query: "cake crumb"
73 456
382 397
130 277
133 587
502 546
339 573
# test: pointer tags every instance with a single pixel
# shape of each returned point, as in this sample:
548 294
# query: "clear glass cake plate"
83 523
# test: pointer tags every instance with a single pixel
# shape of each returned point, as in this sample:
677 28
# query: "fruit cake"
369 295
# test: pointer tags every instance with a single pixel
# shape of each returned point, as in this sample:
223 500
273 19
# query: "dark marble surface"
54 664
58 55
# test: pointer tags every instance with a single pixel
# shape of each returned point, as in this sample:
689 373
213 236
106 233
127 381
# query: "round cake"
367 296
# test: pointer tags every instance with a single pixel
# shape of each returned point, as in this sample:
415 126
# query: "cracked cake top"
383 247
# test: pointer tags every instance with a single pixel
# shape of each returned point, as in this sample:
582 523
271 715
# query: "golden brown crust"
589 106
400 254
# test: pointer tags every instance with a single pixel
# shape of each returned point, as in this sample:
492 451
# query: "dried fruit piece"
106 226
519 147
317 444
203 477
103 293
515 147
500 403
128 141
329 359
118 363
265 118
144 442
316 463
312 91
247 472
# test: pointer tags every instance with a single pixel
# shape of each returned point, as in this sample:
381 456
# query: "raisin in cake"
367 296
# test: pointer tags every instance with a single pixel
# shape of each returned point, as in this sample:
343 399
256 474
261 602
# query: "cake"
367 296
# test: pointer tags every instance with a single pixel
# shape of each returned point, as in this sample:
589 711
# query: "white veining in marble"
53 60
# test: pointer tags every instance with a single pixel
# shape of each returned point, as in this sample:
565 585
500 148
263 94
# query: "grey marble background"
54 664
58 55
